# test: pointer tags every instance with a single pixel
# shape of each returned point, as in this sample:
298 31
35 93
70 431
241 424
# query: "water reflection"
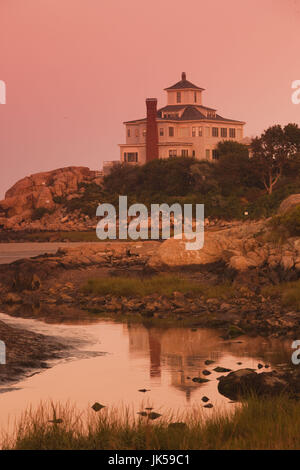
139 356
183 352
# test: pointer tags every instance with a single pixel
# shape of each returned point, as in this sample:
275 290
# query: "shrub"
39 212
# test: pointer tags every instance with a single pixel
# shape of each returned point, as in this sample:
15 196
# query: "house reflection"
181 352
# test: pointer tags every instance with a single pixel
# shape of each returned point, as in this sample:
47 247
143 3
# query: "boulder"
231 246
245 382
289 203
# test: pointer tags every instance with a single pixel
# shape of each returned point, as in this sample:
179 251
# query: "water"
10 252
163 360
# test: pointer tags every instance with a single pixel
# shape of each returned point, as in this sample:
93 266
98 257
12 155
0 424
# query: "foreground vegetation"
288 292
256 424
159 284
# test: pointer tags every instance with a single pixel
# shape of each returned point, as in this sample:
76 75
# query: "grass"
289 293
256 424
160 284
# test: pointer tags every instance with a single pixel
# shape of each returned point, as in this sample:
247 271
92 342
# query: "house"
184 127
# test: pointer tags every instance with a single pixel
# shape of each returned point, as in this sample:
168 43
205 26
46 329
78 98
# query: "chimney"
183 76
152 132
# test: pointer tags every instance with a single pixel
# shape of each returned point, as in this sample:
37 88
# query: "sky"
76 69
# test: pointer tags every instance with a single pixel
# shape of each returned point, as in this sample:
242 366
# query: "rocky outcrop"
240 248
42 191
244 382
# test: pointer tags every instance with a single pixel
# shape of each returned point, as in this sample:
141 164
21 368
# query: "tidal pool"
163 360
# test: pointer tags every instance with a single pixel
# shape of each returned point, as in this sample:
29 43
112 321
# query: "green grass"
288 292
160 284
256 424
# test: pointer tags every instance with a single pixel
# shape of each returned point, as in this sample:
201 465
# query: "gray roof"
191 113
183 83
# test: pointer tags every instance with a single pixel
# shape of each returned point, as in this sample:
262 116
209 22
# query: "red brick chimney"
152 131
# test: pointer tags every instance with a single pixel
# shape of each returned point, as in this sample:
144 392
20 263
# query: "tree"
232 170
273 152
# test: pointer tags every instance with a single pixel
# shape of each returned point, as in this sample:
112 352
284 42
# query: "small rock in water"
267 366
239 363
153 415
97 406
205 399
200 380
208 362
221 369
55 421
149 408
142 413
209 405
144 390
259 366
206 372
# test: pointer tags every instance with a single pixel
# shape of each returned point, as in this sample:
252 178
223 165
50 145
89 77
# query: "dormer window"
195 97
178 96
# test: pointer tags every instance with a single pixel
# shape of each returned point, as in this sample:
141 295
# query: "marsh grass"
289 293
256 424
160 284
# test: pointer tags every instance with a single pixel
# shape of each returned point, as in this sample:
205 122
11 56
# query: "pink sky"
76 69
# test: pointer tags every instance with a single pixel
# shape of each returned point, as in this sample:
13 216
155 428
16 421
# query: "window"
211 114
195 97
232 133
207 131
136 132
194 153
215 154
172 153
193 131
161 132
207 154
184 153
171 131
131 157
144 132
128 132
171 116
200 131
178 97
223 132
215 132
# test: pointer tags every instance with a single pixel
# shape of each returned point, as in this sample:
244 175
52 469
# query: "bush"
39 212
288 223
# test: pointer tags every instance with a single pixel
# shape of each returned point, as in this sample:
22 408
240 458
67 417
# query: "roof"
191 113
183 83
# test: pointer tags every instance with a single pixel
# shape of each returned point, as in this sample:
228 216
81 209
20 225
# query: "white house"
184 127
